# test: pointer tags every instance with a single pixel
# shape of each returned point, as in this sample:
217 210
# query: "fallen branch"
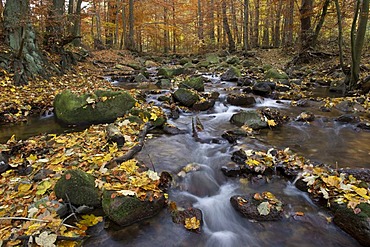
23 218
134 150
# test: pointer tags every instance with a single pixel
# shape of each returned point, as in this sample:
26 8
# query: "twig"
23 218
151 162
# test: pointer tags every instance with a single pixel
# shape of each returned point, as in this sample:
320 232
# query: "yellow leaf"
271 122
153 116
24 187
90 220
333 181
43 187
362 192
192 223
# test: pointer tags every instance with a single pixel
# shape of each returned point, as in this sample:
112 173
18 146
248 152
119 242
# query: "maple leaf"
90 220
192 223
263 208
43 187
46 240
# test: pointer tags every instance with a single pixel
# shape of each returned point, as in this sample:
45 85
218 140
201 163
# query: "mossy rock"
357 225
126 210
196 83
98 107
276 74
186 97
232 74
250 118
138 116
212 58
168 72
232 60
78 188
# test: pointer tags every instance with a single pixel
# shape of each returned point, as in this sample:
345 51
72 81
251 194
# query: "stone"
212 58
169 72
4 165
78 188
249 118
140 78
305 117
262 88
172 130
196 83
98 107
203 105
348 118
126 210
275 74
356 225
186 97
241 99
114 135
246 81
232 74
337 86
164 83
232 170
247 206
179 216
232 60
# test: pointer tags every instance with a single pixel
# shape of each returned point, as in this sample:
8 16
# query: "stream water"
323 140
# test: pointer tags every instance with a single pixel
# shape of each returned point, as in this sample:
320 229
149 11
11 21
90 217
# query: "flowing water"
208 189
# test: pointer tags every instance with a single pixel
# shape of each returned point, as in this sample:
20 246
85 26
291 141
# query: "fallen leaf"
263 208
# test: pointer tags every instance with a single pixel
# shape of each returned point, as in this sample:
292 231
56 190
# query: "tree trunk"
266 27
321 22
340 37
288 24
54 28
174 27
20 36
255 40
165 31
306 30
131 23
246 25
200 21
277 24
357 40
227 28
124 29
235 23
212 21
76 31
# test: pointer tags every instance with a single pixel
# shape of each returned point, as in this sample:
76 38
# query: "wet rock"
248 64
114 135
175 112
169 72
78 188
150 63
126 210
257 207
141 113
357 225
232 74
186 97
196 83
349 106
140 78
164 98
232 135
203 105
275 74
348 118
337 86
165 181
364 125
274 114
179 216
360 173
98 107
239 157
250 118
241 99
282 88
172 130
246 81
232 170
262 88
305 117
164 83
4 165
303 103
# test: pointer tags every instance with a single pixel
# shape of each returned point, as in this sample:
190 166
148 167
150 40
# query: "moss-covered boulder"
212 58
356 224
98 107
126 210
249 118
156 116
169 72
186 97
196 83
78 188
275 74
232 74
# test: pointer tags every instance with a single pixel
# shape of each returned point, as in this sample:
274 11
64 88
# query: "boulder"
186 97
337 86
241 99
114 135
262 88
258 207
4 165
172 130
357 225
140 78
232 170
275 74
141 114
196 83
126 210
181 216
250 118
164 83
232 74
169 72
203 105
212 58
348 118
98 107
78 188
232 60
